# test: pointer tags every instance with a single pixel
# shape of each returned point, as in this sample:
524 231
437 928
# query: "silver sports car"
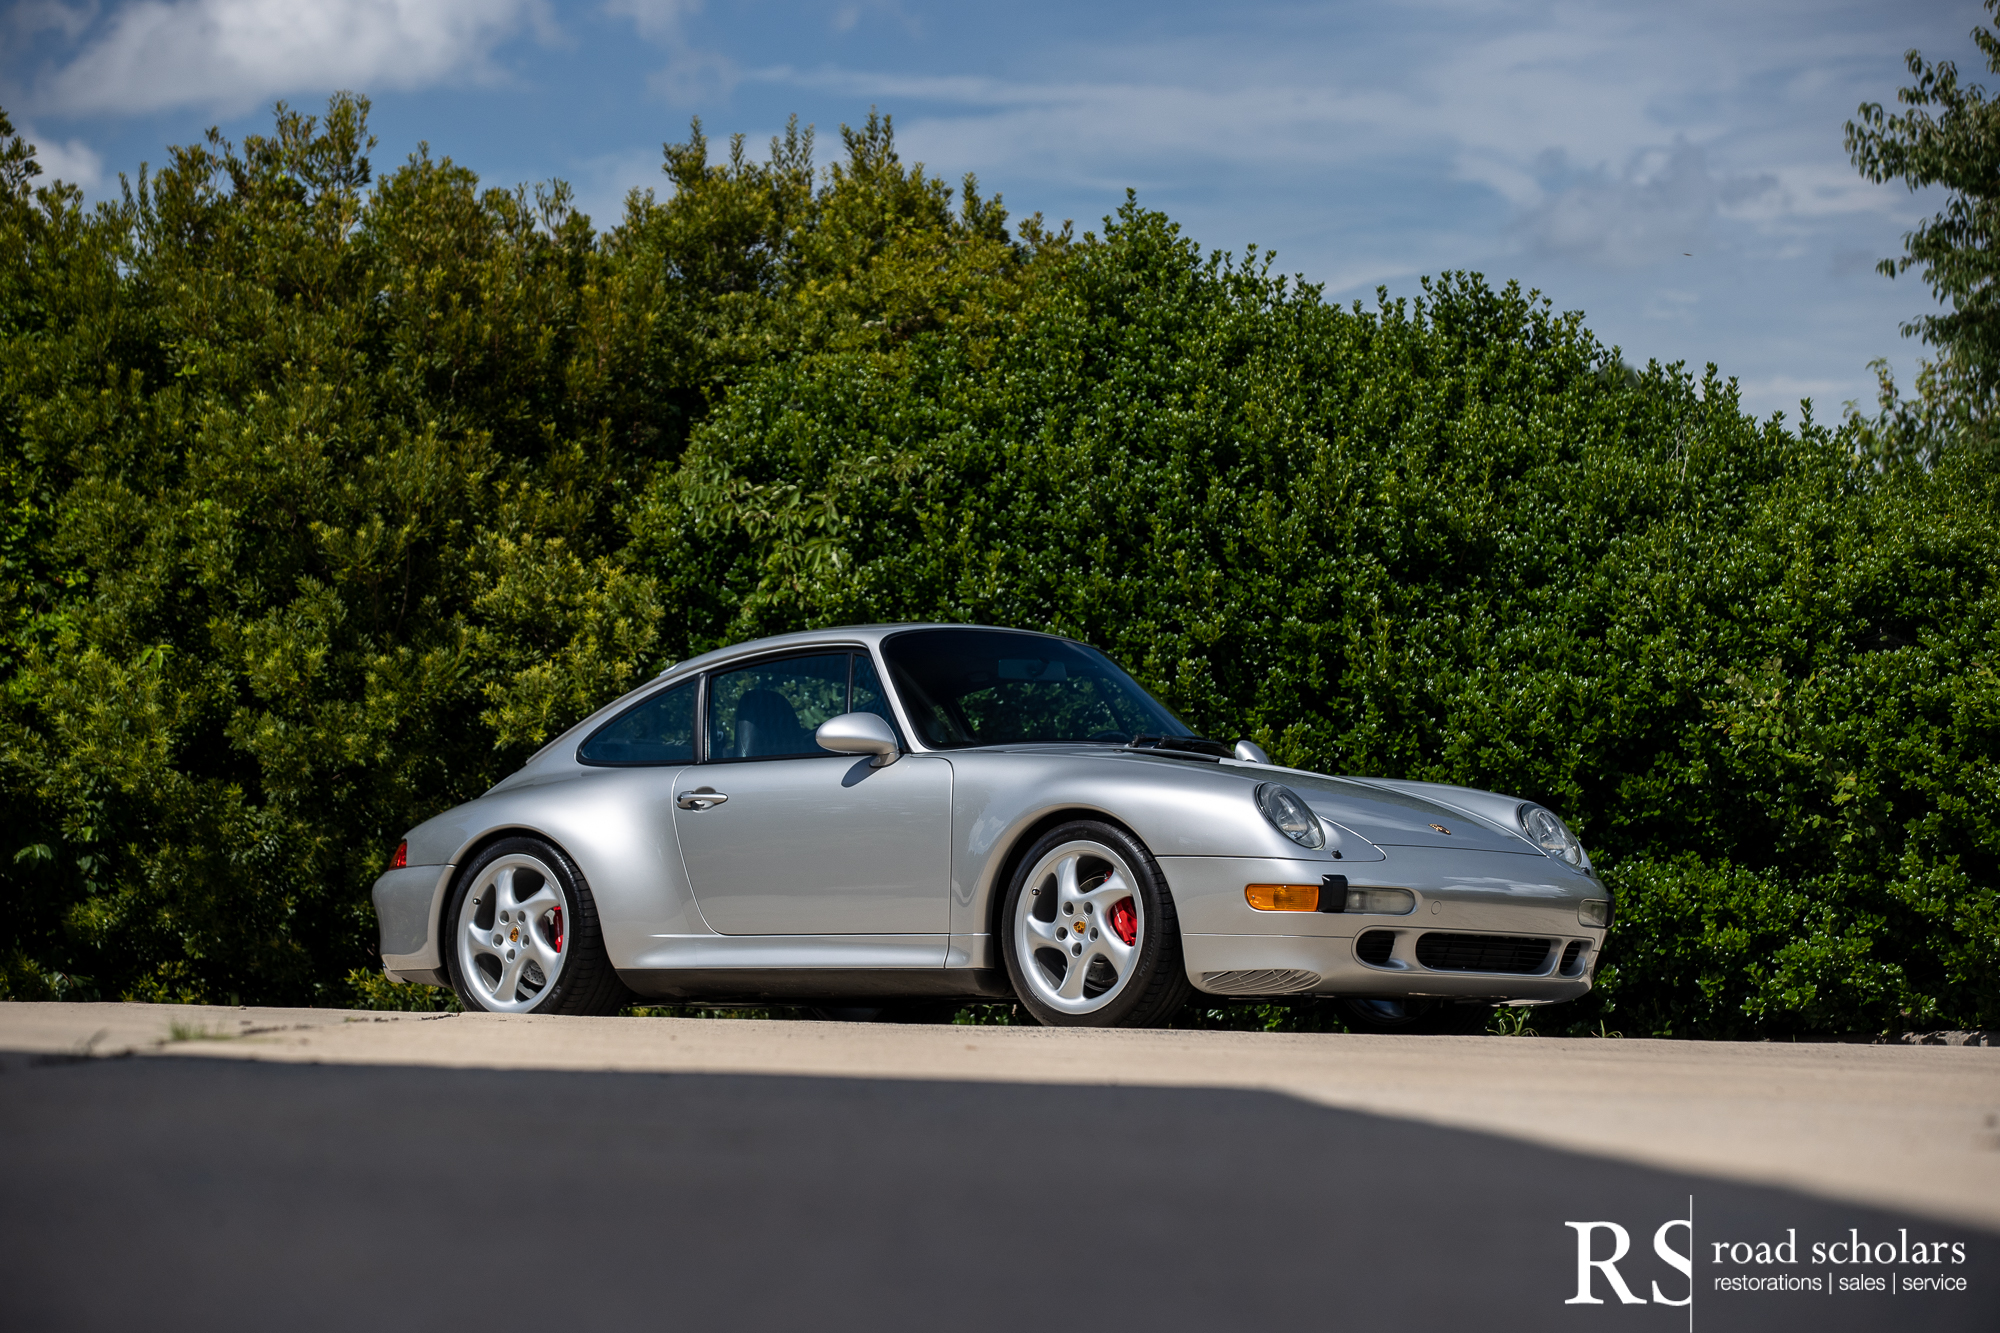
863 818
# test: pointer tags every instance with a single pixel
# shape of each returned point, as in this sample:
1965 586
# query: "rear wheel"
1091 938
1413 1016
522 935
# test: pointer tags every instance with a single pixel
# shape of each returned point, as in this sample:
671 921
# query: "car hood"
1397 819
1383 816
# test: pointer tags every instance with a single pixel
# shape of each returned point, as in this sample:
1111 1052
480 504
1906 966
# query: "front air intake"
1442 952
1263 981
1572 958
1375 946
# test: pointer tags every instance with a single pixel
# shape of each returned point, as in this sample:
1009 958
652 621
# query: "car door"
620 819
780 837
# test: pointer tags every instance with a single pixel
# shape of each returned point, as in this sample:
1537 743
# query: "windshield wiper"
1181 747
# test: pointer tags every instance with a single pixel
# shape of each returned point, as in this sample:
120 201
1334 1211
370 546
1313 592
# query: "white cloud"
1657 209
229 55
69 160
1671 304
1583 146
663 21
33 17
1778 393
692 76
849 16
1110 133
1664 123
602 183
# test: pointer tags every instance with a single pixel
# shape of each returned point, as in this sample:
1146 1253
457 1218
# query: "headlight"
1290 815
1552 835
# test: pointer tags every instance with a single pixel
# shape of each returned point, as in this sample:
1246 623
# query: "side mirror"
1251 753
860 733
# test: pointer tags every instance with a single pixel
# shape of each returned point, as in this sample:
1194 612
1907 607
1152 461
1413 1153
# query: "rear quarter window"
659 730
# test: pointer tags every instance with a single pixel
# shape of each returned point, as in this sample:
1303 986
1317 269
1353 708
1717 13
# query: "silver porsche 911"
857 819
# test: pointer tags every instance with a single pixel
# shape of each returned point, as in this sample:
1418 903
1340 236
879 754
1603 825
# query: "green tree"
776 259
61 313
1949 137
329 465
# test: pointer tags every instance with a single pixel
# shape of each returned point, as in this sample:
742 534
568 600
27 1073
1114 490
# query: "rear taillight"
401 858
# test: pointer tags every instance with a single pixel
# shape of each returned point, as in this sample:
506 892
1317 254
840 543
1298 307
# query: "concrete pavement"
1914 1128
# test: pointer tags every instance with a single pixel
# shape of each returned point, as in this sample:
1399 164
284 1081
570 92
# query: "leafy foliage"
1949 137
329 498
315 489
1446 540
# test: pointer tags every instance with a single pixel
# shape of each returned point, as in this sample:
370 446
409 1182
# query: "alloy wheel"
510 934
1079 926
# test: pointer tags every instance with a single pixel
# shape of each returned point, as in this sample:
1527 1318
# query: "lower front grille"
1572 958
1375 946
1482 953
1263 981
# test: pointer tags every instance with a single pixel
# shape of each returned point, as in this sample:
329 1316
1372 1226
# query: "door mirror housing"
860 733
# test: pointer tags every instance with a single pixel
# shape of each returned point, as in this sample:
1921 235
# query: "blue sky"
1675 171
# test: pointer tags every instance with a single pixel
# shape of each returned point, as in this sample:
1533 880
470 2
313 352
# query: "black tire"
1412 1017
1157 987
586 982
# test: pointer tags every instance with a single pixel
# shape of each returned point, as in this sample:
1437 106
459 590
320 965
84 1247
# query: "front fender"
1179 808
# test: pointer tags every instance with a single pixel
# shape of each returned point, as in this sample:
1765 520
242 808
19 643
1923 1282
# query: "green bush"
1446 540
325 474
328 498
370 989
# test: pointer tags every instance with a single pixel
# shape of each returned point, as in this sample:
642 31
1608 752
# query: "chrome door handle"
699 800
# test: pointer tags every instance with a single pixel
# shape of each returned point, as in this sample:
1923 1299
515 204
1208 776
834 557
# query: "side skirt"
813 983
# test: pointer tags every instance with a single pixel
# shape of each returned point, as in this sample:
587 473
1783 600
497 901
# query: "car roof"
869 635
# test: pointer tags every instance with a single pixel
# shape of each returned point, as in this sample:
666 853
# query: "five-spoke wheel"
1091 937
522 935
510 934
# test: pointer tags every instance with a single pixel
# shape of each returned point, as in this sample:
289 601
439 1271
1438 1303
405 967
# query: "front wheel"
1091 939
522 935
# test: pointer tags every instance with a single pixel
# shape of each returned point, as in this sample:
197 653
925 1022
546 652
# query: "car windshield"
998 687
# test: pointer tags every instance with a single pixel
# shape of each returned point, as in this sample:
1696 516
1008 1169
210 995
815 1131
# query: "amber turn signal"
1282 897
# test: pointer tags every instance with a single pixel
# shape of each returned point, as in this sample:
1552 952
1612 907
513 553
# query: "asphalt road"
164 1193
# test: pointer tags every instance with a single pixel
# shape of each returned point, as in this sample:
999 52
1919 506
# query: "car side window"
658 731
771 710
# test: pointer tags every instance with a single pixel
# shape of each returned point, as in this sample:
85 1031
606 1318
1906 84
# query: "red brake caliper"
555 928
1125 920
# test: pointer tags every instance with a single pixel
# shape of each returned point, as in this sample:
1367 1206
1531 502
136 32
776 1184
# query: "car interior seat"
767 725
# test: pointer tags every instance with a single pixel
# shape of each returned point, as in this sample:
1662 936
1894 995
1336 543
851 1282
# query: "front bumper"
1233 949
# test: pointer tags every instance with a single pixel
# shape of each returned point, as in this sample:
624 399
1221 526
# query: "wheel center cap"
514 934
